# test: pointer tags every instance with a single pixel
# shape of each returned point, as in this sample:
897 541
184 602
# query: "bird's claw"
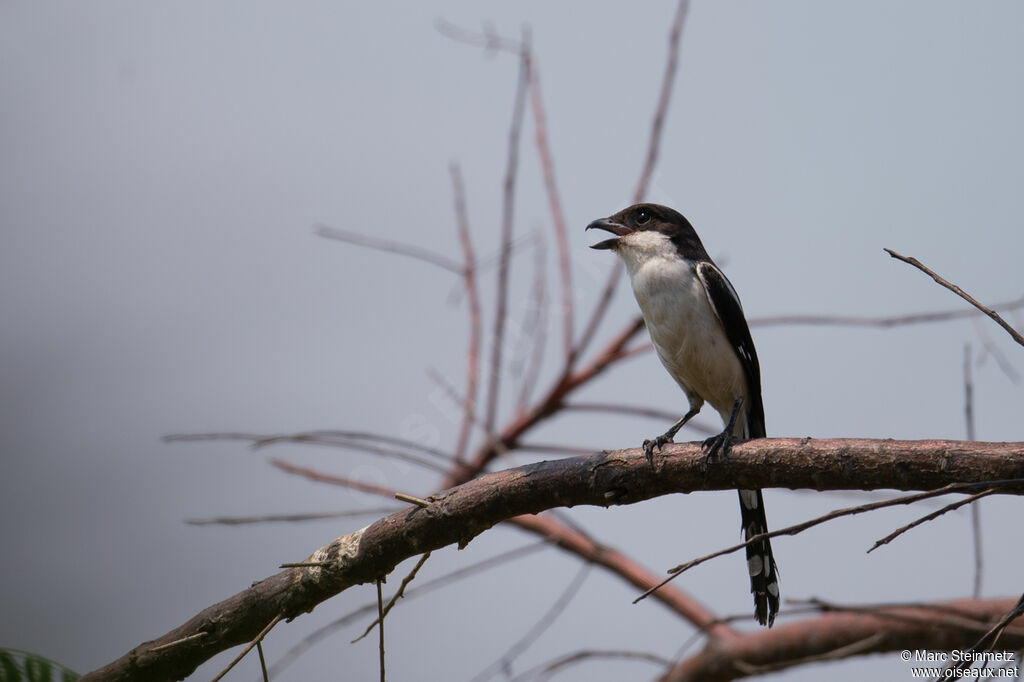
717 444
651 445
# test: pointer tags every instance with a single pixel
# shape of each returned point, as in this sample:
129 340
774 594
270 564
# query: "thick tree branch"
954 625
457 515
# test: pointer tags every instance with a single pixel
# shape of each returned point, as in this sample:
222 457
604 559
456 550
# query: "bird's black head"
654 218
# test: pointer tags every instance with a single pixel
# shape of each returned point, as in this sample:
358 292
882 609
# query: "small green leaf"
10 671
38 669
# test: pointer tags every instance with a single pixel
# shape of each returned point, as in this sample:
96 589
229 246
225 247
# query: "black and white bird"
696 322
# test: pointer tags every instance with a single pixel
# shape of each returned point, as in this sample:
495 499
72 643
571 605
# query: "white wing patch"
703 270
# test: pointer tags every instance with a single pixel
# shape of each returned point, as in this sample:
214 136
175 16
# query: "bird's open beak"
609 225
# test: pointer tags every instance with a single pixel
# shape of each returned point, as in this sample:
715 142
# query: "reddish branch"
1014 334
457 515
664 99
507 213
473 296
954 625
547 165
547 406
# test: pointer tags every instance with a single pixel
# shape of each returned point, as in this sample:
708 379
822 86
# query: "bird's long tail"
764 575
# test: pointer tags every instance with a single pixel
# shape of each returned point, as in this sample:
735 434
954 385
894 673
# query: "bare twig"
256 640
990 638
547 165
263 661
653 146
928 517
330 438
664 97
535 327
488 39
975 508
380 627
838 513
423 588
993 350
877 321
473 295
507 214
396 596
545 669
493 440
638 411
552 614
390 246
516 496
179 642
412 500
321 477
1014 334
290 518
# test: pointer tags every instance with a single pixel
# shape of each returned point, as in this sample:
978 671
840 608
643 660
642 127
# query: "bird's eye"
642 217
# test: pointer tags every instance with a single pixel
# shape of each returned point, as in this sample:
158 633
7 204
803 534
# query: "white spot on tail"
749 498
773 589
755 565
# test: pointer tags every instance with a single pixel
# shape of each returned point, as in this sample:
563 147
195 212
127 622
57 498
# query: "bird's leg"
650 445
723 441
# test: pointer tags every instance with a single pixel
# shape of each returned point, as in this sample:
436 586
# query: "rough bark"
457 515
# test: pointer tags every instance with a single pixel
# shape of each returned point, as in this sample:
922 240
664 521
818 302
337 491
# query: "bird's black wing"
726 304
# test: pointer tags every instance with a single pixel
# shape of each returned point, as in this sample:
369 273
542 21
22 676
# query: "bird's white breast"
686 332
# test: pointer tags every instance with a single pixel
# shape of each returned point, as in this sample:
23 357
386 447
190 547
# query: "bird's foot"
719 444
656 444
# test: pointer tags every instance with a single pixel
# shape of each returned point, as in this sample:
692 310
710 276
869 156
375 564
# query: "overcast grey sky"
161 169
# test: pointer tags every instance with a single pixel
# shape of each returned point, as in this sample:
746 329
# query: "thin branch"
653 146
321 477
993 350
638 411
548 405
390 246
976 508
535 326
1014 334
877 321
488 39
835 514
256 640
547 165
664 98
380 624
493 440
395 597
538 629
576 657
473 294
263 661
330 438
928 517
990 638
289 518
423 588
507 214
